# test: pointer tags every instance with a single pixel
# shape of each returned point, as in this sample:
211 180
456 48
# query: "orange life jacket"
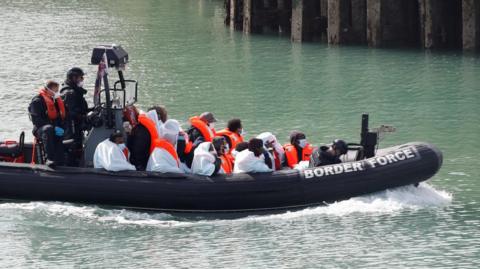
155 140
233 137
276 159
292 156
206 132
227 164
52 111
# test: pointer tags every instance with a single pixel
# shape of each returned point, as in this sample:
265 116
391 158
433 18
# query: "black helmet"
340 145
75 71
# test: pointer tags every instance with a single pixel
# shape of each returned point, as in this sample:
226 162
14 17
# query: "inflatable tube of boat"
287 189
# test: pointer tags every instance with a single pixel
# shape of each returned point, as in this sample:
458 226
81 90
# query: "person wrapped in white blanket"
112 154
205 160
274 149
164 157
255 159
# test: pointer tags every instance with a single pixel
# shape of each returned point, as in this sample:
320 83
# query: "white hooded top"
247 162
161 160
109 156
269 137
203 160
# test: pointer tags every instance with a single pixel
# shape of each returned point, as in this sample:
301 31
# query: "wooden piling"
374 23
471 27
302 20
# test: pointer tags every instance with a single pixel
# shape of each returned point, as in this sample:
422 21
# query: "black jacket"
76 107
138 143
39 116
321 156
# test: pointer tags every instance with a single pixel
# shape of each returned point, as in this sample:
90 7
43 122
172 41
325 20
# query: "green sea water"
185 58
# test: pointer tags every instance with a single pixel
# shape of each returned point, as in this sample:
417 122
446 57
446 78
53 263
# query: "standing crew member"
299 150
77 109
329 155
47 113
138 142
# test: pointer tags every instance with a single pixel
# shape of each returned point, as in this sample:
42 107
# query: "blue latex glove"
59 131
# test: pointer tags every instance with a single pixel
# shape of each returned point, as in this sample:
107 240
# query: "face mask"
122 146
80 84
227 148
302 143
241 132
212 125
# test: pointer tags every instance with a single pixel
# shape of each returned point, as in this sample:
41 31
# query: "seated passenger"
298 151
163 157
274 149
48 115
202 129
112 154
329 155
254 159
233 134
220 146
139 140
205 160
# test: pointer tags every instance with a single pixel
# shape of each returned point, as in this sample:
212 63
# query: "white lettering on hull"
404 154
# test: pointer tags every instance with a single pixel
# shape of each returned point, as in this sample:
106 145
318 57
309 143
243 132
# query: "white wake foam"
385 202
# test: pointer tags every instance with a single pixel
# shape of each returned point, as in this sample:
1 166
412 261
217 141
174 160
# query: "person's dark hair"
218 142
340 145
255 145
295 136
241 146
234 124
115 136
161 111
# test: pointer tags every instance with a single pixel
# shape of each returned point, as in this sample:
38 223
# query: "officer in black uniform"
329 155
77 109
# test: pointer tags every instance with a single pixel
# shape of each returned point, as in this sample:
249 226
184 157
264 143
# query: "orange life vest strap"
164 144
151 127
227 165
126 152
206 132
52 111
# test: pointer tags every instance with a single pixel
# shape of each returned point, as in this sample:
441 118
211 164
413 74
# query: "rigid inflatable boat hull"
392 167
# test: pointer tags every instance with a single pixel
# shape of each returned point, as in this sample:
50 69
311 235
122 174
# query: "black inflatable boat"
23 177
289 189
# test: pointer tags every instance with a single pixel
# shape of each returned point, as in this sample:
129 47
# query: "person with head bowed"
326 155
274 149
163 153
205 160
254 159
112 154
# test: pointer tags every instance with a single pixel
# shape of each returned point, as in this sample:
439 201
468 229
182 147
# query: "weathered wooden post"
302 20
374 23
471 21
